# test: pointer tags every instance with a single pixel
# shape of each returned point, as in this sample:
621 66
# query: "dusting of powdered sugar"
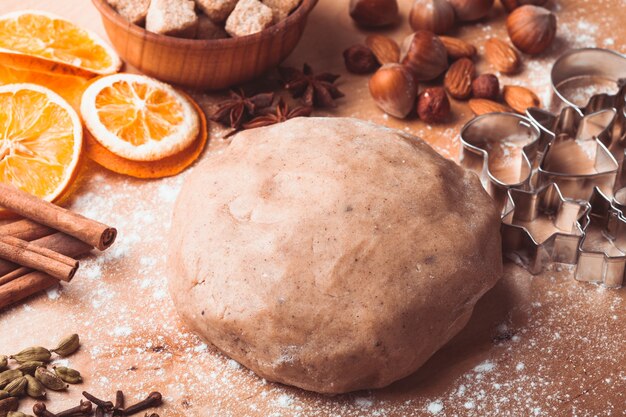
553 346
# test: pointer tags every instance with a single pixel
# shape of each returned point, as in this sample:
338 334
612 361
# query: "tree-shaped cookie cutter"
542 226
491 138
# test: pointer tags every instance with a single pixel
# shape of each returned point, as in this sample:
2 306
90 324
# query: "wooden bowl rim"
110 14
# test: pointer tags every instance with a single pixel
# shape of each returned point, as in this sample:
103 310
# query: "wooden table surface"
536 346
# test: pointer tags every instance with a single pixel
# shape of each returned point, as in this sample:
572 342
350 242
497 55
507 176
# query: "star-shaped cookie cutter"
542 226
500 137
602 250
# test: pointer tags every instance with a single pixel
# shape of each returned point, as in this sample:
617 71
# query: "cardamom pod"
3 394
4 361
8 376
28 368
69 375
34 389
9 404
50 380
35 353
68 345
16 387
17 414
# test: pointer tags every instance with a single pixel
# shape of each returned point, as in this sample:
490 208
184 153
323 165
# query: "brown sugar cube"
207 29
216 10
281 8
249 16
133 10
173 18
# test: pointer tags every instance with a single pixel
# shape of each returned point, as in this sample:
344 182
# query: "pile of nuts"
427 54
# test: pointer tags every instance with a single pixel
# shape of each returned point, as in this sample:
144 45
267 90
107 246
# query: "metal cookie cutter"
577 157
578 167
502 149
542 226
596 68
602 251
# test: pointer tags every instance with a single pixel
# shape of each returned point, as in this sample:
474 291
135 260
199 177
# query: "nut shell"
436 16
374 13
468 10
531 29
393 88
458 79
486 86
425 55
433 105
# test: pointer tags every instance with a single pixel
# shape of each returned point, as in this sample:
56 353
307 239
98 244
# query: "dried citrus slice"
165 167
70 87
139 118
56 43
40 140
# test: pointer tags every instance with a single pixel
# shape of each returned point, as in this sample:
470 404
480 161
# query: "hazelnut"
436 16
511 5
467 10
360 59
433 105
374 13
394 89
486 86
425 55
531 28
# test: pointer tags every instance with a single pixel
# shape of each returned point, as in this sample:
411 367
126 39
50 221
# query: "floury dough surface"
331 254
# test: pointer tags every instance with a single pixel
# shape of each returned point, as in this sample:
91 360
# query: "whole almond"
458 79
385 49
481 106
502 56
457 48
520 98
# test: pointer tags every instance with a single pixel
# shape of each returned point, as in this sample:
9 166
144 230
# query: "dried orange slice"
50 42
139 118
70 87
165 167
40 140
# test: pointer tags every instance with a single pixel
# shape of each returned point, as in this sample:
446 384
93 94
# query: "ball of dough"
331 254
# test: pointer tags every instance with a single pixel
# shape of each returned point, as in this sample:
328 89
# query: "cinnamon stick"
25 286
37 257
89 231
58 242
26 230
24 282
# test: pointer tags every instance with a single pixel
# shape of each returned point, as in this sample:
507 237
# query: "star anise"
239 108
281 113
316 90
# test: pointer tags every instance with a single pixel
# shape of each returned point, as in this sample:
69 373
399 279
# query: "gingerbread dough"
331 254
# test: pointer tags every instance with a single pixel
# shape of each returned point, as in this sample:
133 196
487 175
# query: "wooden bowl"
204 64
